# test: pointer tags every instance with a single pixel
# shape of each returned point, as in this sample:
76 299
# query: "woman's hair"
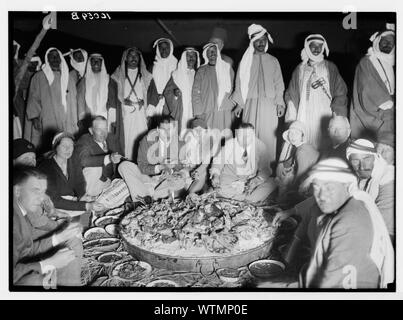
55 143
59 137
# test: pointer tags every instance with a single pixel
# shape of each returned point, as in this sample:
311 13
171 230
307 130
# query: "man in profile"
55 258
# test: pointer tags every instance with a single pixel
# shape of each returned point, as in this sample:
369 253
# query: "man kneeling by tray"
166 165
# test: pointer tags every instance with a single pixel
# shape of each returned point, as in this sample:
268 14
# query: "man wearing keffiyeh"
127 114
260 88
93 91
78 61
52 101
164 64
178 91
211 90
376 177
316 90
373 104
349 243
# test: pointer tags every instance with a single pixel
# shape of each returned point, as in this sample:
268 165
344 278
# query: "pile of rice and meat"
199 226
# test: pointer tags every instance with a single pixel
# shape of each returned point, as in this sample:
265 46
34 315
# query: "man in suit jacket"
46 261
158 160
95 154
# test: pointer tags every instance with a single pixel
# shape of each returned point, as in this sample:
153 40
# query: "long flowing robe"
93 93
174 105
131 123
161 73
312 106
370 92
265 92
83 108
45 103
204 99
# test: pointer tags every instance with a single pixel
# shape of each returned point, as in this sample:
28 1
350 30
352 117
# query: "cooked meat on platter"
197 226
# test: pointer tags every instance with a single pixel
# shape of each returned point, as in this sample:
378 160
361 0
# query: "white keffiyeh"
79 66
183 78
255 32
382 253
163 67
383 62
223 71
96 101
306 53
64 79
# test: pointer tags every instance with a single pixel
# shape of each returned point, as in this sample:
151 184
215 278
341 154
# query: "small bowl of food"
162 283
229 274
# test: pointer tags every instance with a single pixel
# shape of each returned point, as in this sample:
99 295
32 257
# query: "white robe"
134 122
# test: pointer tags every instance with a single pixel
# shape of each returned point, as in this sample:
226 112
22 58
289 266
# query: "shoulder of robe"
271 57
331 65
354 214
364 63
38 75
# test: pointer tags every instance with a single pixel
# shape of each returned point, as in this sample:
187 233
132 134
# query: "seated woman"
301 156
66 185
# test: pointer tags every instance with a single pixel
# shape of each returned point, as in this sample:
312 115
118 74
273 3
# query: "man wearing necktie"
95 154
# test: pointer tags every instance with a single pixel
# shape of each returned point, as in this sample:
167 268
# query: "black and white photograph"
197 151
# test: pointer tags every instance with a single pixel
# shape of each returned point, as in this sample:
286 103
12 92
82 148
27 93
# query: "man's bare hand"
47 22
67 234
280 217
280 110
237 111
37 124
115 157
215 181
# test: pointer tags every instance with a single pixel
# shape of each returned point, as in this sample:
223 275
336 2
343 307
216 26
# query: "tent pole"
165 28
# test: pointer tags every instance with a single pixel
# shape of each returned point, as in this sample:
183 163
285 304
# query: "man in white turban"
373 104
376 177
93 91
349 243
178 91
164 64
52 101
78 61
316 90
260 88
212 87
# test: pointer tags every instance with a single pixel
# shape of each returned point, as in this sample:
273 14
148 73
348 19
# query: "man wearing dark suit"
55 259
94 153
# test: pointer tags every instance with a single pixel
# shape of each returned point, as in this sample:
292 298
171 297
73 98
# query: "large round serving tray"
198 264
202 263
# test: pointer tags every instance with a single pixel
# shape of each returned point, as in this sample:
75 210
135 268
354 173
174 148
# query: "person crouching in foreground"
349 243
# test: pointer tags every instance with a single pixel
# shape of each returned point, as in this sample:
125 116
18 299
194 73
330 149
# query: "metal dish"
266 268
